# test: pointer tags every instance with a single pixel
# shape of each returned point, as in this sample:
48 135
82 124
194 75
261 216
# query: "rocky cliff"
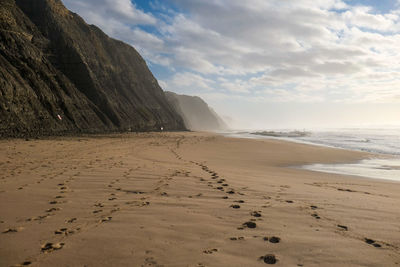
59 75
196 113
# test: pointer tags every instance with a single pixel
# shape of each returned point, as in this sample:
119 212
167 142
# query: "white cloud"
276 50
362 18
100 11
183 81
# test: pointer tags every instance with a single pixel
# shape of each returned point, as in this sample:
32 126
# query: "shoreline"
305 142
379 166
189 199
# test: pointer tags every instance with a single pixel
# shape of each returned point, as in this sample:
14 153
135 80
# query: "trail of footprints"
49 247
218 183
100 214
56 205
221 184
214 182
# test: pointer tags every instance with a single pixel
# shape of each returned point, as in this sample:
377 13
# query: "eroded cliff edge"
60 75
196 113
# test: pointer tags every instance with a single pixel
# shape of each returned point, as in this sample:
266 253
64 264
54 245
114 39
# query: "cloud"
100 11
362 18
303 50
182 81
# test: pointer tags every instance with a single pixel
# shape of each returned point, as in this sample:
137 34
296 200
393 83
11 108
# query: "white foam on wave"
382 141
377 141
387 169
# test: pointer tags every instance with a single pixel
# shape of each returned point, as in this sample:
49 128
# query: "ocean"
385 143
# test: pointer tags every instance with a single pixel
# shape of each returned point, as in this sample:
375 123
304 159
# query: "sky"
268 64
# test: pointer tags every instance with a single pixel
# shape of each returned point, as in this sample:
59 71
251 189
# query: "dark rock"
59 75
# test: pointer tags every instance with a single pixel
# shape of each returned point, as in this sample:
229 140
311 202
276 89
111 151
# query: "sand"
189 199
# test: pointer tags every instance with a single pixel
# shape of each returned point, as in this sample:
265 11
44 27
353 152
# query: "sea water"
383 142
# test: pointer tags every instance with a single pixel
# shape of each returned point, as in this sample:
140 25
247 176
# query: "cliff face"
59 75
197 115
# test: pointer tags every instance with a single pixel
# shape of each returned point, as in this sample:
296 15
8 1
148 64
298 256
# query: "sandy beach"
189 199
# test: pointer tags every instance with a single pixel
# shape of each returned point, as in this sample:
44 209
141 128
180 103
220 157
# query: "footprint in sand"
25 263
12 230
134 192
372 242
256 214
115 210
71 220
250 224
50 247
343 227
151 262
315 215
269 259
210 251
38 218
106 219
346 190
64 231
236 238
273 239
235 206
